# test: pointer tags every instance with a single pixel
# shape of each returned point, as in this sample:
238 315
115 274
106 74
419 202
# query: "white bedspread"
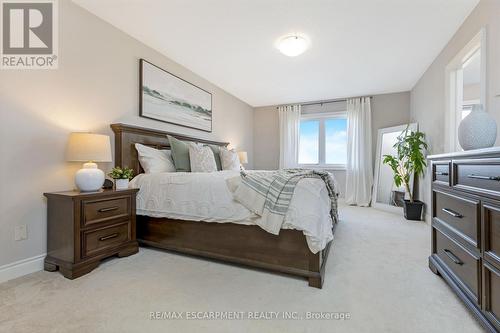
207 197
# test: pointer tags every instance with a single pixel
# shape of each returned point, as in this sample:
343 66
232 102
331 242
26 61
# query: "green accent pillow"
216 151
180 154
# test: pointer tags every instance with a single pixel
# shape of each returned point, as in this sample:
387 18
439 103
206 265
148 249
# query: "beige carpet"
377 272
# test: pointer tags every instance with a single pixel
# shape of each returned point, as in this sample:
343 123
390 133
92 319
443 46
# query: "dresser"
465 210
84 228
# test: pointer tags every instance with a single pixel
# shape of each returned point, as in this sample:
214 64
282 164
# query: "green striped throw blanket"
269 193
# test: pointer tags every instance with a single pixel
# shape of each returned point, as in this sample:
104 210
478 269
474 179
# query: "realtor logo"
29 34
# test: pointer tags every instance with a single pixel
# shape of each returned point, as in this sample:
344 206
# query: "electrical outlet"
21 232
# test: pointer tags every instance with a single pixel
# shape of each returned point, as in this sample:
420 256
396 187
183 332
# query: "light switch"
21 232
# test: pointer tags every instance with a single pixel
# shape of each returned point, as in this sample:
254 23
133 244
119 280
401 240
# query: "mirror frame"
381 132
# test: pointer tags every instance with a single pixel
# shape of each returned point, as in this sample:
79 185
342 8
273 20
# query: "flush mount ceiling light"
293 45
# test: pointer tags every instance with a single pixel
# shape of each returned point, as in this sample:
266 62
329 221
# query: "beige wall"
266 138
387 110
428 95
96 85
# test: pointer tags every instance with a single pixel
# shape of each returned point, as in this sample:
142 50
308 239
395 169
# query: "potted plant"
409 161
121 177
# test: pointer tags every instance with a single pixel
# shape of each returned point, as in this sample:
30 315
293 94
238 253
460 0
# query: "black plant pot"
413 210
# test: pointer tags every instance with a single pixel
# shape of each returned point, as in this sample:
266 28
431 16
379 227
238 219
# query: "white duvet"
208 197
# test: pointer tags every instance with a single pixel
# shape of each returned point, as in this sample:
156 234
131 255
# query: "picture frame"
168 98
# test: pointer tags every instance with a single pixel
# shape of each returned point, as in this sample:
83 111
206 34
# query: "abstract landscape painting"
168 98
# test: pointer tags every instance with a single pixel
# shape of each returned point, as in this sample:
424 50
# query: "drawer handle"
453 257
496 178
442 173
452 213
109 209
108 237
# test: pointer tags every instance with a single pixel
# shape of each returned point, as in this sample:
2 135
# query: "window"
466 82
309 138
323 140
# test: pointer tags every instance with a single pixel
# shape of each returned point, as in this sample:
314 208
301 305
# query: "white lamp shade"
85 147
243 157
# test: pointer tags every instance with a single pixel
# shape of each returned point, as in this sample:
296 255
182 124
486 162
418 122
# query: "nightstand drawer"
101 239
463 264
460 214
98 211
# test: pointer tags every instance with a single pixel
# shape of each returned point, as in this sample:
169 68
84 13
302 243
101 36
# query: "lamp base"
89 178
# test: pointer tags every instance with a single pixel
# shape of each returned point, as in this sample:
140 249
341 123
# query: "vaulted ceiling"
357 47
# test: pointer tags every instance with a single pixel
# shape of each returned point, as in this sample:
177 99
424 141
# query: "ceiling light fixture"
293 45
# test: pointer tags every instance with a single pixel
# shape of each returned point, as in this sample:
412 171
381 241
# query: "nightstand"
84 228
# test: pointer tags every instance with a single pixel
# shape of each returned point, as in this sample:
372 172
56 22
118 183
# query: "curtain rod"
325 101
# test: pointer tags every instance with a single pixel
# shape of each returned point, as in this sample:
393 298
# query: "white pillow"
229 159
154 160
201 158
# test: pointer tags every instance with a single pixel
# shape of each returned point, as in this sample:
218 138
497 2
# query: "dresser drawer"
482 177
460 214
103 210
491 232
97 240
462 263
491 292
441 173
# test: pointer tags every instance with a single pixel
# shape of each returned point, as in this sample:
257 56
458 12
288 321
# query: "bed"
230 239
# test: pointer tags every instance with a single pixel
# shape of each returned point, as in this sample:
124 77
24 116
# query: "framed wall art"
168 98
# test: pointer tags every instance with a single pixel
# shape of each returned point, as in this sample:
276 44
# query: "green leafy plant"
119 173
409 159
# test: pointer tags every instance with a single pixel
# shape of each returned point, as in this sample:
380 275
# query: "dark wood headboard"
126 136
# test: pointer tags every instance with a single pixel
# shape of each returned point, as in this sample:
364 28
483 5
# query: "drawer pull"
497 178
441 173
109 237
452 213
108 209
453 257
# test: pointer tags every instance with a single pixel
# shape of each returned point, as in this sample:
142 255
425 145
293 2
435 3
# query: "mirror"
386 195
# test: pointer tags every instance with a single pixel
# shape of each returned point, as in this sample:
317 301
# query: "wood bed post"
317 266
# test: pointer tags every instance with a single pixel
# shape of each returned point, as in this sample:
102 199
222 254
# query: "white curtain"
359 175
289 116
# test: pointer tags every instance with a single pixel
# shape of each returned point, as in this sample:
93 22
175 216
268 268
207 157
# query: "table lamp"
243 156
89 148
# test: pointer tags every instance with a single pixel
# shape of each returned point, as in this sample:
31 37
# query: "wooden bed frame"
240 244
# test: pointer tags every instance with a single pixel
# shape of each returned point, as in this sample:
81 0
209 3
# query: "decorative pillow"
229 159
154 160
216 151
201 158
180 154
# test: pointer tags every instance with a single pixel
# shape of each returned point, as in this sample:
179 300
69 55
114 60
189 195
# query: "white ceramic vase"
121 184
477 130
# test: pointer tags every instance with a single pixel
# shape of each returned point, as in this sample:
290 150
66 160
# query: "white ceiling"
358 47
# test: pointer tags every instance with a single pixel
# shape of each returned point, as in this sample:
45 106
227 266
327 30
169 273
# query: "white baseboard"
21 267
